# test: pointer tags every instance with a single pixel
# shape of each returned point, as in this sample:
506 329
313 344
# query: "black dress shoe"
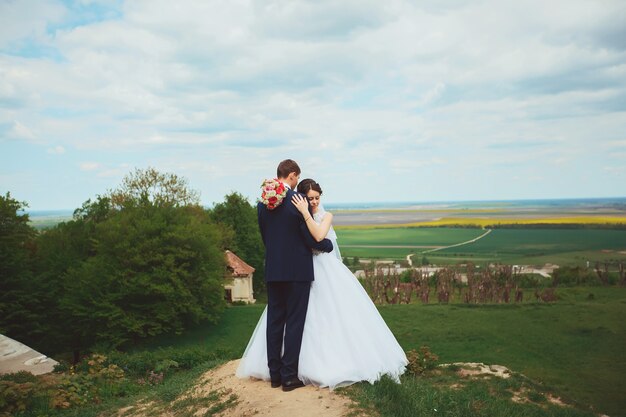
291 384
276 383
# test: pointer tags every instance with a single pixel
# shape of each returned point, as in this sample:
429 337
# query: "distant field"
616 221
538 246
406 236
524 246
46 222
546 241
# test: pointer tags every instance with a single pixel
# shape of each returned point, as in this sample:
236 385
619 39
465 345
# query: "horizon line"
404 202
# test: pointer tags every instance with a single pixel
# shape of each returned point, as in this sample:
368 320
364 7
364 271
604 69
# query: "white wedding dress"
345 339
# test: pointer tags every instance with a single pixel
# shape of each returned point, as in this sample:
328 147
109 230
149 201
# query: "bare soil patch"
220 393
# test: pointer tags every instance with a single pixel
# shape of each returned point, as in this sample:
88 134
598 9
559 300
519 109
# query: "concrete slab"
16 356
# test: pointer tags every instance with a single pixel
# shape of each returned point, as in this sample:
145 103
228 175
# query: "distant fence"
472 285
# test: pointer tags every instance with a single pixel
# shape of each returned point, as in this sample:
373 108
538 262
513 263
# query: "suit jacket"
288 242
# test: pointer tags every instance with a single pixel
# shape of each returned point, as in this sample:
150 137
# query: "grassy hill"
573 347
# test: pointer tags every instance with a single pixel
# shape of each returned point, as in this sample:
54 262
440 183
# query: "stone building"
238 285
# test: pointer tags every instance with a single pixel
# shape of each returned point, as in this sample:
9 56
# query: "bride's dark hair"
307 185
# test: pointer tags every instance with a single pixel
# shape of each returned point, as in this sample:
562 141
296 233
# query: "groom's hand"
323 245
327 246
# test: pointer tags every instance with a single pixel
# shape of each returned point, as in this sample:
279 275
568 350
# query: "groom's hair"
286 167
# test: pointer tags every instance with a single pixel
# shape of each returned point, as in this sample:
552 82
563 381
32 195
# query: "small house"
238 285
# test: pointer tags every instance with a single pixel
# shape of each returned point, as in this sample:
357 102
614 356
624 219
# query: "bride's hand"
301 204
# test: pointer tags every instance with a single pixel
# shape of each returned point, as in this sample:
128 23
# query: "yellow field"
452 210
482 222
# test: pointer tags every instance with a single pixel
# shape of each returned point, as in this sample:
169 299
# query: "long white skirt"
345 339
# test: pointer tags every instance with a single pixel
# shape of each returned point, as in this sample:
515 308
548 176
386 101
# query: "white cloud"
57 150
116 172
27 18
353 88
89 166
21 131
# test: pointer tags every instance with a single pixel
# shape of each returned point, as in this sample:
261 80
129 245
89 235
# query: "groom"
288 273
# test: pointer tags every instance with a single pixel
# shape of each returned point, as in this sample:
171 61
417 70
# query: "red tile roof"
239 267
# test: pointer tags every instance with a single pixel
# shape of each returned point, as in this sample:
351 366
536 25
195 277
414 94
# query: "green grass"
406 236
545 241
229 337
573 347
158 398
446 394
576 258
375 253
512 246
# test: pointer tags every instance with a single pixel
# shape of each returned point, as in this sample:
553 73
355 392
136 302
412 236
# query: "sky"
377 101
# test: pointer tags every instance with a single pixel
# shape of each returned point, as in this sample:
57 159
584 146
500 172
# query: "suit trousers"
287 304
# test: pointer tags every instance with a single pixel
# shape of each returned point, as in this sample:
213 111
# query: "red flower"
273 187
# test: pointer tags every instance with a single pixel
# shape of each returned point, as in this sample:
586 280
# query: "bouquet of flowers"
273 193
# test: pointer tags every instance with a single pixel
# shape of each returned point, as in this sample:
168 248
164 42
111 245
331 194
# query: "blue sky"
378 101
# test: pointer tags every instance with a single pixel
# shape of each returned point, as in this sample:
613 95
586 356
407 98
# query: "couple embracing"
320 326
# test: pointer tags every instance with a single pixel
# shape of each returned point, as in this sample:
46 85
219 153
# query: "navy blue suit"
288 273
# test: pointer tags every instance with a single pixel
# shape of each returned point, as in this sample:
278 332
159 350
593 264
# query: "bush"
73 390
15 396
20 377
406 276
572 276
421 362
140 364
532 281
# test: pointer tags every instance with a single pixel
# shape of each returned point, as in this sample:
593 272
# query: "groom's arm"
324 245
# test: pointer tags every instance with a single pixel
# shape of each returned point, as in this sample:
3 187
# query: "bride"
345 339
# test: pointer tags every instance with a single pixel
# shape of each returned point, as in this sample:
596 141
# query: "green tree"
60 249
151 187
156 270
16 247
236 213
143 260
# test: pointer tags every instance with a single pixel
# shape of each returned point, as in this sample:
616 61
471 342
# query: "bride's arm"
318 231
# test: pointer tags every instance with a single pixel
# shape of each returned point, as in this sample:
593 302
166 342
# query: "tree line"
142 260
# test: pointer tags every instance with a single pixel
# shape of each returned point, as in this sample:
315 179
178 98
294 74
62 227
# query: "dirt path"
257 398
430 248
220 393
460 244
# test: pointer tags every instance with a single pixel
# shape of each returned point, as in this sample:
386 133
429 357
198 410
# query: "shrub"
572 276
406 276
73 390
19 377
139 364
15 396
422 361
531 281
